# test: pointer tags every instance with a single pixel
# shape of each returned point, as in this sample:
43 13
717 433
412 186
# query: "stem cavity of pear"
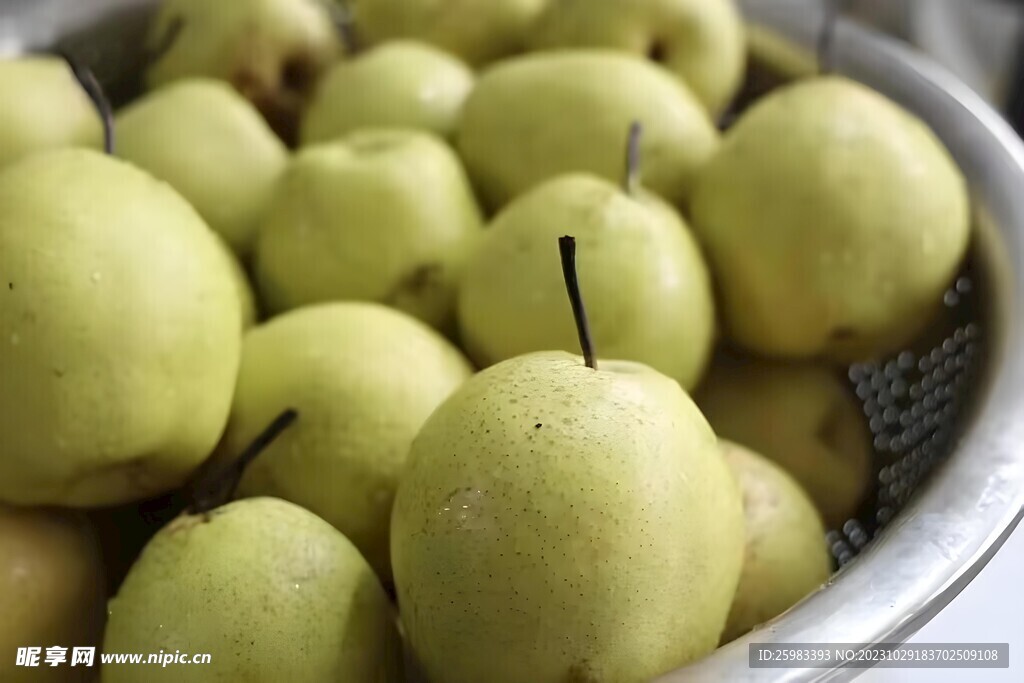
631 180
219 488
567 249
89 83
827 34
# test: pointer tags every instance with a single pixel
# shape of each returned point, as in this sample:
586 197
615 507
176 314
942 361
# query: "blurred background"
982 42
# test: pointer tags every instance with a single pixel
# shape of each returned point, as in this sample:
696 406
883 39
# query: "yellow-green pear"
786 557
269 590
647 288
364 378
535 117
561 523
701 41
243 287
833 220
402 84
120 333
478 31
271 51
43 107
384 215
212 146
801 416
51 592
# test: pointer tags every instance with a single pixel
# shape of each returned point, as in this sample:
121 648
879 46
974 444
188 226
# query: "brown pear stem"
567 249
219 488
87 79
827 34
631 181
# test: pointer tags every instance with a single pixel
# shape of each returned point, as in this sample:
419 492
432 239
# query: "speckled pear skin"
402 84
119 324
363 378
557 523
542 115
271 51
834 220
51 590
643 278
212 146
384 215
478 31
272 592
44 108
786 556
701 41
802 417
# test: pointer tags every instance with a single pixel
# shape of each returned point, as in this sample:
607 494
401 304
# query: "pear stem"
87 79
167 41
341 15
631 181
827 34
567 249
219 488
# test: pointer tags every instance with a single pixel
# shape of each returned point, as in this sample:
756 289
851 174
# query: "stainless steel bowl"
967 508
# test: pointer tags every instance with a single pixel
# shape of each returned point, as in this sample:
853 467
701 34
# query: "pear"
364 378
833 220
478 31
119 323
542 115
383 215
701 41
786 557
801 416
269 590
402 84
243 288
51 591
44 107
641 270
212 146
271 51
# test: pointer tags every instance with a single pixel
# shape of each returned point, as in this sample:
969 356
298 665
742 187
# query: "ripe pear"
271 51
51 591
246 296
701 41
647 287
786 557
546 114
560 523
383 215
269 590
802 417
364 378
210 145
834 221
401 84
44 107
478 31
120 325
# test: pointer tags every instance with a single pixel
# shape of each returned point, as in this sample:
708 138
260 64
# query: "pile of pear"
355 215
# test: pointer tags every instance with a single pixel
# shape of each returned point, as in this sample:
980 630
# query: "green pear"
701 41
401 84
271 51
647 287
44 107
120 326
51 591
246 295
786 557
364 378
542 115
833 220
383 215
560 523
801 416
478 31
270 591
210 145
